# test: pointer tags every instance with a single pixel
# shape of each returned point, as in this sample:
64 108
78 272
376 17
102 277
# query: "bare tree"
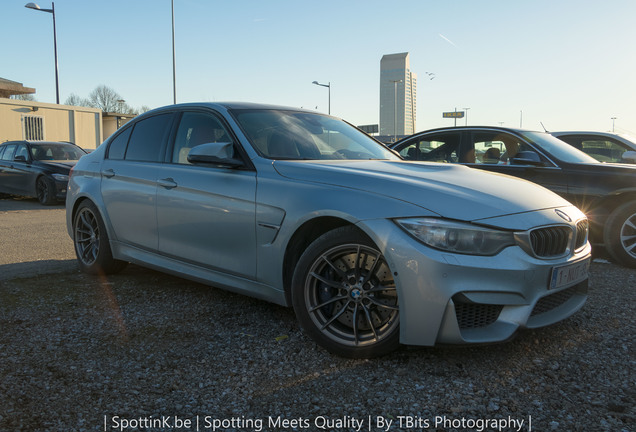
24 97
75 100
105 98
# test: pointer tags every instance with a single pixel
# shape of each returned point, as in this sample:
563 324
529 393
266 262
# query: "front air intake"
550 241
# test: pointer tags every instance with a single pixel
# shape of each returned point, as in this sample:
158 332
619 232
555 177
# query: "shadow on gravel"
79 352
23 203
36 268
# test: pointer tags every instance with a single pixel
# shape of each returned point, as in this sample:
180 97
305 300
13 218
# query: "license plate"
569 274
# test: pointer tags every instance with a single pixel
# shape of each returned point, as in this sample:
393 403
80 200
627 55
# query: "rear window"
117 147
8 152
147 138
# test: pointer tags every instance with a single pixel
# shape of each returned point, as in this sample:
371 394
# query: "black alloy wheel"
92 248
345 297
45 191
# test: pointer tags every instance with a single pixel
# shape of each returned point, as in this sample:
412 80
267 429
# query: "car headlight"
60 177
457 237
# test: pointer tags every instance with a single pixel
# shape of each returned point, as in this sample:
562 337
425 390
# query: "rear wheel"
45 191
92 248
345 297
620 234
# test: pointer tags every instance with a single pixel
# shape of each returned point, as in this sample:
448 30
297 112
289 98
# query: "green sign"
453 114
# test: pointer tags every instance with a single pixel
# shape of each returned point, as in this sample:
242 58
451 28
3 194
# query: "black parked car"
605 192
37 168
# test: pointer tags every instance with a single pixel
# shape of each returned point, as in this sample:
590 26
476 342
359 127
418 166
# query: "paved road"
33 239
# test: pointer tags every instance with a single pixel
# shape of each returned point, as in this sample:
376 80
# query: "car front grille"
550 241
582 229
475 315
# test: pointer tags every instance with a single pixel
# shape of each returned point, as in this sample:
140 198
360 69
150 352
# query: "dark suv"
37 168
605 192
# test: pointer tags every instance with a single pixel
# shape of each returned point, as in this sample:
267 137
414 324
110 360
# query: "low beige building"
112 121
30 120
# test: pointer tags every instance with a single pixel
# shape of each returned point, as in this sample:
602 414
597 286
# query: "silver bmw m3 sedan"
304 210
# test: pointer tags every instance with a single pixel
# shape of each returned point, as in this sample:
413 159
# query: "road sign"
453 114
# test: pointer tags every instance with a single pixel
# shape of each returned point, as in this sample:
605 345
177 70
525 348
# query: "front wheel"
345 297
92 248
620 234
45 191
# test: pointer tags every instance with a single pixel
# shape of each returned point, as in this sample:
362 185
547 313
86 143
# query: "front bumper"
452 298
60 190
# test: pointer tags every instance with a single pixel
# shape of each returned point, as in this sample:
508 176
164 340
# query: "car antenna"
544 129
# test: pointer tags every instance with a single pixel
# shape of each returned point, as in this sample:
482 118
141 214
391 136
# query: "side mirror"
19 158
527 158
217 153
629 156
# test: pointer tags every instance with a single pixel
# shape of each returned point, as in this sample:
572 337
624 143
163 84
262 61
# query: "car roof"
465 128
230 106
37 142
584 133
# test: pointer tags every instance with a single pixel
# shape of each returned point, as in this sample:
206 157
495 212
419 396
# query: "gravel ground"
142 348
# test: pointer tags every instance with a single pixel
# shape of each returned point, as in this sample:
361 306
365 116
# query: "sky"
569 64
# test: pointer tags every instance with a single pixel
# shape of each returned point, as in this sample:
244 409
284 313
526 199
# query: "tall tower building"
398 88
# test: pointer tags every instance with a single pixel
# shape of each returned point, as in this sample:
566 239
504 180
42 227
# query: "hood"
61 166
452 191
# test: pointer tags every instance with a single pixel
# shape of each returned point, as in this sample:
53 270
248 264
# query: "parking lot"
145 351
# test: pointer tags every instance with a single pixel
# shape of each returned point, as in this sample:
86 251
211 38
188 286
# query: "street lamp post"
51 11
395 83
328 85
174 63
613 119
466 113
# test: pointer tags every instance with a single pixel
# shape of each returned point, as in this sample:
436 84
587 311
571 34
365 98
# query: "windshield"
292 135
57 152
557 148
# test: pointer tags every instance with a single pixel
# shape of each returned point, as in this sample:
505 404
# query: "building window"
33 127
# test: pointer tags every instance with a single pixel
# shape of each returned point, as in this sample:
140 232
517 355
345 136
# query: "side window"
2 151
437 148
490 148
195 129
117 147
603 150
8 152
147 138
22 151
496 148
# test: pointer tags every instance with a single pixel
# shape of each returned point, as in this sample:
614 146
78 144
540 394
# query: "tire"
90 239
345 297
45 191
620 234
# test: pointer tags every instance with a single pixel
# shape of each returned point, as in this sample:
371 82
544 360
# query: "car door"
23 175
129 173
505 153
206 213
7 172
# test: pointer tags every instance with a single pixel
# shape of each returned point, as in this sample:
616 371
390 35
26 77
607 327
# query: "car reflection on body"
605 192
37 169
304 210
602 146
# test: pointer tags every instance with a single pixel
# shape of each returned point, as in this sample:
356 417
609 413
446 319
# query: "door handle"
108 173
167 183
